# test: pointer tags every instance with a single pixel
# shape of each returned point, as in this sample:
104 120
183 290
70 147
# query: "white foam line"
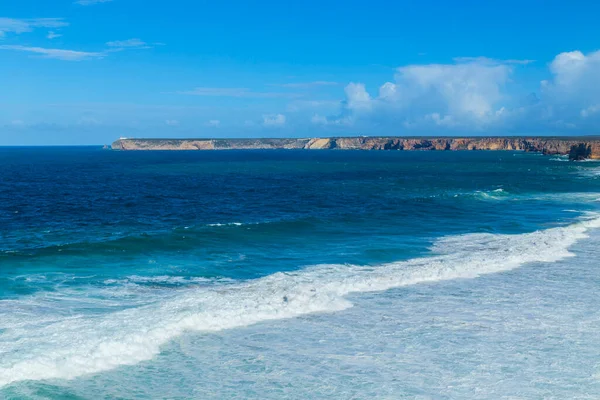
227 224
72 347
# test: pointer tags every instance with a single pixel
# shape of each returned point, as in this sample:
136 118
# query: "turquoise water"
291 274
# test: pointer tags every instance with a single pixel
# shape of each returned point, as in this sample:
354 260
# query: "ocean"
298 274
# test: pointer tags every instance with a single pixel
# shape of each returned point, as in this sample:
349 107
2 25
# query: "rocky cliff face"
576 148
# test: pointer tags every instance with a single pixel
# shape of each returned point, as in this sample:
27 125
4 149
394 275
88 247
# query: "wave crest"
73 346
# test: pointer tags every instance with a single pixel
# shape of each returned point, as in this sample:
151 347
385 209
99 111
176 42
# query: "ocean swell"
70 346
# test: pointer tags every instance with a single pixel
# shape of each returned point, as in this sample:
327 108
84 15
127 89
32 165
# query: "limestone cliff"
576 148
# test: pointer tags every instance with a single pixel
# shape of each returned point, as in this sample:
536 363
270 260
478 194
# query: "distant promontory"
577 148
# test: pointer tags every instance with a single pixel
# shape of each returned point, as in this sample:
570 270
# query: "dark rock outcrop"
580 152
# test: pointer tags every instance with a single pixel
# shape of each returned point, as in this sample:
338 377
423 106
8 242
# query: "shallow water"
270 274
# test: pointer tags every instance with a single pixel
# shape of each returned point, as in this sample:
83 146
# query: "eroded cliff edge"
576 148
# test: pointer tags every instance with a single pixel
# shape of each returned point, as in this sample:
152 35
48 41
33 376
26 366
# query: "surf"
63 346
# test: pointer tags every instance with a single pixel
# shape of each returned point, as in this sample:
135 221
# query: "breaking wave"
43 345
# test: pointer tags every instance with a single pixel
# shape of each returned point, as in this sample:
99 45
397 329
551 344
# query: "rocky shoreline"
576 148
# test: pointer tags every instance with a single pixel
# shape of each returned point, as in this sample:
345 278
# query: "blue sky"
89 71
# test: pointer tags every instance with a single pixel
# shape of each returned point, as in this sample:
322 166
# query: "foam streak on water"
66 347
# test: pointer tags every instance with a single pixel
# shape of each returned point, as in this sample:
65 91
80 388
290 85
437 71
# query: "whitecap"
72 346
226 224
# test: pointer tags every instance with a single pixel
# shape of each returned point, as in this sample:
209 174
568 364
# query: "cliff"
576 148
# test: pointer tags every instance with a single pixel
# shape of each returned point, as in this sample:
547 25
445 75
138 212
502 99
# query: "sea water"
298 274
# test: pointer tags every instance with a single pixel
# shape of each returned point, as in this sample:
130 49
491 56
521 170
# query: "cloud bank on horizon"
77 80
471 96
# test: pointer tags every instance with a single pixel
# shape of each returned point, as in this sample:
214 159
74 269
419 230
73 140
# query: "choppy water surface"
291 274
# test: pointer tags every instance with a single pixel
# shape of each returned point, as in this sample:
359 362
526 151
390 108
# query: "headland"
577 148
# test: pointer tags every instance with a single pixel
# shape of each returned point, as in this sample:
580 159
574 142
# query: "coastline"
577 148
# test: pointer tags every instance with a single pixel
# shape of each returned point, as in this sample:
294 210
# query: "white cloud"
464 94
215 123
475 95
235 92
18 26
570 63
128 44
90 2
319 119
357 96
467 89
273 120
590 110
53 35
487 60
172 122
335 121
519 62
388 91
68 55
575 80
569 101
446 120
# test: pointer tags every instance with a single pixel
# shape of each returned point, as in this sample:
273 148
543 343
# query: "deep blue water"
115 267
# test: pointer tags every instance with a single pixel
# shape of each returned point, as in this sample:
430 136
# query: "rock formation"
576 148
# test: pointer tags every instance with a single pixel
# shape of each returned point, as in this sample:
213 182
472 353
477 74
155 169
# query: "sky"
90 71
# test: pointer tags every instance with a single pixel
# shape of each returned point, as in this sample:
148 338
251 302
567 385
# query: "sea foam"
66 347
